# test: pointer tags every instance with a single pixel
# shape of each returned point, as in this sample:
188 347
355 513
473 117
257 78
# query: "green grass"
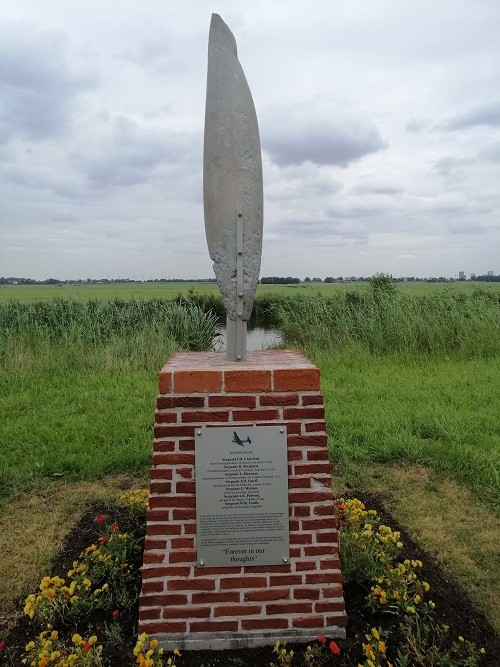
438 413
171 290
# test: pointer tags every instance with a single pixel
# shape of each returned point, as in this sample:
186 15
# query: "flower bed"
400 605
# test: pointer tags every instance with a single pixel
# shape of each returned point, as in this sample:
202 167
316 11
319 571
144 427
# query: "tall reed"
440 323
100 332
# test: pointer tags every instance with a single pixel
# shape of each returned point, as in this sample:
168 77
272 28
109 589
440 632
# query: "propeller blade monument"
232 184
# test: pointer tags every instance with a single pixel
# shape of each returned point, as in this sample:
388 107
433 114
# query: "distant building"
461 275
490 273
472 276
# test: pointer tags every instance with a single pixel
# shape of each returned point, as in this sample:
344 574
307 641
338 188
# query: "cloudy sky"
379 122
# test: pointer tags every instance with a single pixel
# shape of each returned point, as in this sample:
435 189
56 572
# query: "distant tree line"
276 280
100 281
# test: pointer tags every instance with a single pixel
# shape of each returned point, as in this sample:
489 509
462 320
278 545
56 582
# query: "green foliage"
384 320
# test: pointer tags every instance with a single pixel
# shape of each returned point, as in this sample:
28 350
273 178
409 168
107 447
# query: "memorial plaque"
242 496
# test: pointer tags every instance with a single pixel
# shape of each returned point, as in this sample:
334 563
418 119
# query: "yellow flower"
460 638
153 644
425 586
375 633
29 646
77 639
381 647
417 599
53 635
177 652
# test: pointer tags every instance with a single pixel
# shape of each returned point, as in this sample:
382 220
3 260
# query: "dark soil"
452 608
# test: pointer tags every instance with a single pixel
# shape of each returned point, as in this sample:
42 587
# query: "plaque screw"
238 356
240 252
285 559
202 562
240 294
199 432
282 430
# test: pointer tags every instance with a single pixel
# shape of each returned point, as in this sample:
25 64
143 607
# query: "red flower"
100 518
114 527
102 540
322 638
2 646
116 613
87 647
334 648
98 628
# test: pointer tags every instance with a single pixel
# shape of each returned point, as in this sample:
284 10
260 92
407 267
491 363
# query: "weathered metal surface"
232 173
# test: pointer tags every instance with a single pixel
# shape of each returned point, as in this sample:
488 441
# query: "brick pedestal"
194 607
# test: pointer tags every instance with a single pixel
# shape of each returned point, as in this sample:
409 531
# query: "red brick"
189 528
149 557
167 571
176 459
320 578
186 487
301 510
164 417
300 538
309 496
308 622
296 379
309 440
197 381
337 620
303 565
293 428
172 431
306 593
264 624
304 413
317 524
162 528
271 568
318 455
323 550
172 501
294 455
186 444
267 594
243 582
332 591
231 401
182 543
215 598
335 605
191 584
312 399
182 556
149 614
330 537
160 487
279 399
205 416
213 626
330 563
166 402
164 446
285 580
185 473
184 515
192 611
299 482
289 608
324 510
237 610
315 427
204 571
152 587
157 628
160 515
313 468
255 415
164 381
163 600
245 381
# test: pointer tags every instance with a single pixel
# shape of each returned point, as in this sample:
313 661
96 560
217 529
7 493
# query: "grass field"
422 427
171 290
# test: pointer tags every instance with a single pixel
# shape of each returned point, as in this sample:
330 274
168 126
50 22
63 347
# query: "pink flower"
334 648
100 518
341 507
114 527
116 613
322 638
2 646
